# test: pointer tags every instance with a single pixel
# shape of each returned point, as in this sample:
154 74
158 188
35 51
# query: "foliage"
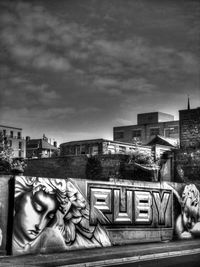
56 153
187 164
93 168
142 158
8 164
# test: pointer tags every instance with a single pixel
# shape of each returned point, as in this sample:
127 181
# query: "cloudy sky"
73 69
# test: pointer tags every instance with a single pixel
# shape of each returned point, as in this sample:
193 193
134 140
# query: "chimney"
55 143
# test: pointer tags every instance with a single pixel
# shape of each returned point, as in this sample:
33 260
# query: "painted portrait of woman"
52 215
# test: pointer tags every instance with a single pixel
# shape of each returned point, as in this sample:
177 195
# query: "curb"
135 258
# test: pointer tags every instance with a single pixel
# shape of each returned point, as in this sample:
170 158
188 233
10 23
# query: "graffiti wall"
4 189
51 215
187 221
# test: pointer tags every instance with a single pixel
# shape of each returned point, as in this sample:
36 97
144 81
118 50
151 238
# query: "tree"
8 164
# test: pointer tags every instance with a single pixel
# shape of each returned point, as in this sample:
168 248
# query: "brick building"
148 126
13 137
189 128
39 148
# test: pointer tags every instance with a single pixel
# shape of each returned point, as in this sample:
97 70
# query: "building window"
118 135
11 134
20 145
122 149
154 131
78 150
4 132
93 150
10 143
19 135
136 133
83 149
171 131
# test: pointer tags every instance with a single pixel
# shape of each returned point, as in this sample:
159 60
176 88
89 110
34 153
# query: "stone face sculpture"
53 215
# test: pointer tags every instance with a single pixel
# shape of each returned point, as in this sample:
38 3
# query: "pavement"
115 255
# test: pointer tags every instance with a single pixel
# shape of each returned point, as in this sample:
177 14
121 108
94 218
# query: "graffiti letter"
143 210
126 203
100 198
161 205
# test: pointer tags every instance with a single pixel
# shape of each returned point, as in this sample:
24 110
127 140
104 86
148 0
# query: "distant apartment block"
13 137
148 126
97 147
189 128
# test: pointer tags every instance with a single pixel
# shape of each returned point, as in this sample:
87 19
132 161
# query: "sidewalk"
105 256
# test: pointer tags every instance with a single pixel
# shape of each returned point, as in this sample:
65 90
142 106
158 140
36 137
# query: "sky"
74 69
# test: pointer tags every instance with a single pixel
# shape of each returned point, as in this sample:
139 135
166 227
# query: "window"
78 150
19 135
20 145
136 133
4 132
122 149
11 134
118 135
93 150
83 149
171 131
154 131
10 143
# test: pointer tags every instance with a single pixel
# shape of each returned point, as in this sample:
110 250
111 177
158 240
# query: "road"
175 253
180 261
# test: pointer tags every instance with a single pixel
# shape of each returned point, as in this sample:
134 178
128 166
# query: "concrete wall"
59 167
101 167
49 215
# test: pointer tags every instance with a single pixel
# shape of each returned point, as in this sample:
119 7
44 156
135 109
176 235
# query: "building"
13 137
98 147
148 126
189 128
40 148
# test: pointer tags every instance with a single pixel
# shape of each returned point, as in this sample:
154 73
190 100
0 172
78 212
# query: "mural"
188 222
4 189
1 235
53 215
134 205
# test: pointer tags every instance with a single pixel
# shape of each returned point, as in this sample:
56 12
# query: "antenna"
188 106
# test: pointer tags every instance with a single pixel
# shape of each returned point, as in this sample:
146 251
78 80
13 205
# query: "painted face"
189 215
33 215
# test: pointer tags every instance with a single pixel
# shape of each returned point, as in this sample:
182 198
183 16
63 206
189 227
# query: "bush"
93 168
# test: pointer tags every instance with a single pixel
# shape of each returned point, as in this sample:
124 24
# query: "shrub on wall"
139 166
187 165
93 168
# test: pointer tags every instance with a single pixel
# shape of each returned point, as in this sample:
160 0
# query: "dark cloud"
79 73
